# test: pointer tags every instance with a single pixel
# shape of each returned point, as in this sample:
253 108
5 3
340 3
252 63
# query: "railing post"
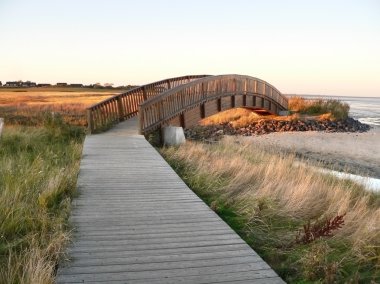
120 108
144 93
141 120
168 82
90 125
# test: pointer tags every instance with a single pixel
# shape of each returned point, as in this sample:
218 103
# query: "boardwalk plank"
136 221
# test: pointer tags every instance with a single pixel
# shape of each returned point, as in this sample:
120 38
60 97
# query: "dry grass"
334 108
36 97
241 117
229 115
24 106
265 187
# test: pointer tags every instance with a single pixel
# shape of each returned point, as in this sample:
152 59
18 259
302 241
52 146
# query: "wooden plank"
147 275
136 221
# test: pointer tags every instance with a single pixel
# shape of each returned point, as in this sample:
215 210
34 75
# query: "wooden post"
120 108
90 125
141 121
144 93
245 92
182 120
202 110
169 86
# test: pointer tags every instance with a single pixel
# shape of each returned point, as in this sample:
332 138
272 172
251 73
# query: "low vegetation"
38 172
332 109
23 106
308 226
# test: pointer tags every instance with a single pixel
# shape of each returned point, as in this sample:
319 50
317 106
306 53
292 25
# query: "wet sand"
357 153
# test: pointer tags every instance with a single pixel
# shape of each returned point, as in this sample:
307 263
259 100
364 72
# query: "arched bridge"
134 220
183 101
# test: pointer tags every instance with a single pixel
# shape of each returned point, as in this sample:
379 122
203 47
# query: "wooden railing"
169 104
125 105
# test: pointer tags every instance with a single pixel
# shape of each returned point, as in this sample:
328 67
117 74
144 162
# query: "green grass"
38 172
339 110
248 188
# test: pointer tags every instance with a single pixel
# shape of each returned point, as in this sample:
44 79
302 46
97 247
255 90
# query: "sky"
301 47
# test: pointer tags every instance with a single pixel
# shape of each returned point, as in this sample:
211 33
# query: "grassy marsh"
38 172
23 106
267 201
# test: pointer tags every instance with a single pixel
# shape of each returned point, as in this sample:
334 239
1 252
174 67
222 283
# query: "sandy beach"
357 153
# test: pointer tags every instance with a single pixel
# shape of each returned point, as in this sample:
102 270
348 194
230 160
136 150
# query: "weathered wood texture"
207 96
125 105
136 221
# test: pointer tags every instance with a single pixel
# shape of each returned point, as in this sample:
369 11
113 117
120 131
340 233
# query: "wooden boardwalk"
136 221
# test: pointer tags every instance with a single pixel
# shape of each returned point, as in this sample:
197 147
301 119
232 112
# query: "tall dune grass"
338 110
271 199
38 171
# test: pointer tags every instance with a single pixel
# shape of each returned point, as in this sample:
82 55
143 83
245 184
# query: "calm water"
365 109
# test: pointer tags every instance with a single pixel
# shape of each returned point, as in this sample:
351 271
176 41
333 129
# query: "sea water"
364 109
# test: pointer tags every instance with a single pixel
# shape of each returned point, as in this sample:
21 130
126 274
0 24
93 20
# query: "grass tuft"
334 109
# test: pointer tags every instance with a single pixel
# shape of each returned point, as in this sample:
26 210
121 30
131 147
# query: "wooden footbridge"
135 220
183 101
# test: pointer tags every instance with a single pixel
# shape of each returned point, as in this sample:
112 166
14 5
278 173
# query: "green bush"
339 110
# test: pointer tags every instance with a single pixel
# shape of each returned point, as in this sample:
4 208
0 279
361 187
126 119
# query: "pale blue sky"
316 47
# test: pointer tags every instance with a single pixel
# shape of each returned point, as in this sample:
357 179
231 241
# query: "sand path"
357 153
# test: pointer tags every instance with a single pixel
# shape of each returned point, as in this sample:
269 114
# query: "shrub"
338 110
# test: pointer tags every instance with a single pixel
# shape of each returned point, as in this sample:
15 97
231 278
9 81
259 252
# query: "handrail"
171 103
123 106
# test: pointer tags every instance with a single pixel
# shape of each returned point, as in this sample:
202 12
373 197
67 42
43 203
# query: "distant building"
13 84
43 85
61 85
28 84
76 85
1 83
97 86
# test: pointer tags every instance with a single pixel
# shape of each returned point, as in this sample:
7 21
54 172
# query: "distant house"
1 83
61 85
28 84
43 85
76 85
13 84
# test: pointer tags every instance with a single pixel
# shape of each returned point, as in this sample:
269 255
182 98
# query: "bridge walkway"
136 221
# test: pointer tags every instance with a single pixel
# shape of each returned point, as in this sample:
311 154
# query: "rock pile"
263 126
